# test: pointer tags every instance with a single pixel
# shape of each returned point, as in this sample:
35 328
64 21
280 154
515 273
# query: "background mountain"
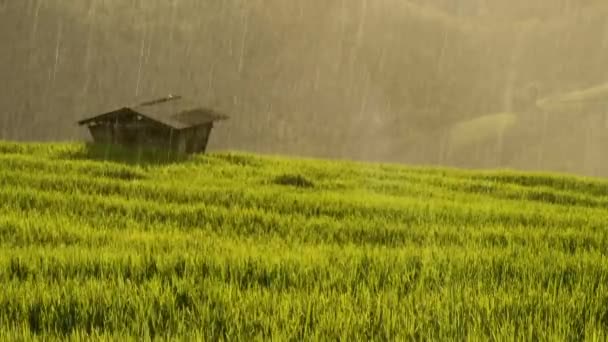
373 80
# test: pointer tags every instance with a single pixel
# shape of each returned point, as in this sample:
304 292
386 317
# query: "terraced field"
237 246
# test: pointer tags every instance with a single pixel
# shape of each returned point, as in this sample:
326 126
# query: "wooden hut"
170 123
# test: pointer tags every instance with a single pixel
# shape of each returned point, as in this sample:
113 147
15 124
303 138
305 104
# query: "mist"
475 85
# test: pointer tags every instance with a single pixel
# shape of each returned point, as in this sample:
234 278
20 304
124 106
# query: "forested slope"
354 79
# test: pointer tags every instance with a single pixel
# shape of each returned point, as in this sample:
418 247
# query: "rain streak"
484 84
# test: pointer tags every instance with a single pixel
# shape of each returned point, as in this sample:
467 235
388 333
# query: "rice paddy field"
102 244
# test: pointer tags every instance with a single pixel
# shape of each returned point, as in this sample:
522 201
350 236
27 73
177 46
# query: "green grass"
100 243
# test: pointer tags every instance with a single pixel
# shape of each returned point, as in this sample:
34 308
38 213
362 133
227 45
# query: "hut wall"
181 143
102 134
157 136
134 131
198 137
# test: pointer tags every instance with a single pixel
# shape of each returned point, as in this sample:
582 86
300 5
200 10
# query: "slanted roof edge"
170 119
220 117
101 116
98 116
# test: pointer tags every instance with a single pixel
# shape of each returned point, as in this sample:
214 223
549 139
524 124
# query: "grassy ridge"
94 244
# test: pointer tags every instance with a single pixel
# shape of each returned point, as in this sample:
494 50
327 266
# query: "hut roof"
173 111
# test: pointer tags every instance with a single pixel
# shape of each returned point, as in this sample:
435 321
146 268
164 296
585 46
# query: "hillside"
367 80
238 245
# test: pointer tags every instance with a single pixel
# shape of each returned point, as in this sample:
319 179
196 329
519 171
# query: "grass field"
238 246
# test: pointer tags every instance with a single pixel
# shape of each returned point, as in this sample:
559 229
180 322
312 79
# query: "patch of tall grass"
216 246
